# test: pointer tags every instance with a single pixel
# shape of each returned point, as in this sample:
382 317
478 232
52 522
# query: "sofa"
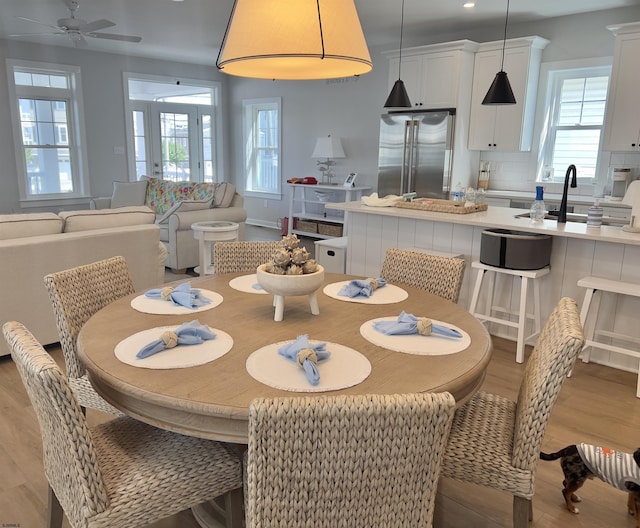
177 205
33 245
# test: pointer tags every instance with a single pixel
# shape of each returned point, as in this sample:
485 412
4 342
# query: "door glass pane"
209 169
174 136
139 143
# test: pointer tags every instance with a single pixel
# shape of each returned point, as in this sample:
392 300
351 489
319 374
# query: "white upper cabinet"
508 127
433 74
622 117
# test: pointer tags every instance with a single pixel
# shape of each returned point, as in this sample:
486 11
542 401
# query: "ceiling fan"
77 28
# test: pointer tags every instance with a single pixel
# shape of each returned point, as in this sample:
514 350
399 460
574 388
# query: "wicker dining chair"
358 461
495 442
121 473
439 275
76 294
231 257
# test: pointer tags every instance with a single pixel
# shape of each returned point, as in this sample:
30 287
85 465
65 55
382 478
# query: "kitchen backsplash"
516 171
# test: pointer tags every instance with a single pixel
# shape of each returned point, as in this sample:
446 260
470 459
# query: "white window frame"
76 132
555 74
250 107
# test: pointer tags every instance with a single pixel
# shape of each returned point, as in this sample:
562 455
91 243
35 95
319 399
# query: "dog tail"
567 451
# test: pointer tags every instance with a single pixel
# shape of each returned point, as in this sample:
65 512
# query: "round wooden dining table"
212 400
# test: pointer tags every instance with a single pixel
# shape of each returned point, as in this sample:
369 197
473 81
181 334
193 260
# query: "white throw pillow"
185 205
128 193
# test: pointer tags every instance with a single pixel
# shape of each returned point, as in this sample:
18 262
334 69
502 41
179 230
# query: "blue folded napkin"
408 324
362 288
192 333
181 295
306 355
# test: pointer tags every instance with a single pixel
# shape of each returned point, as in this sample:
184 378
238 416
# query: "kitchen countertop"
500 217
574 199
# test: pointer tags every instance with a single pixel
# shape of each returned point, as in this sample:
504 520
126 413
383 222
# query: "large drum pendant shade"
294 39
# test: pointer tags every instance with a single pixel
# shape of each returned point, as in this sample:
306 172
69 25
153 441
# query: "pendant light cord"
504 40
401 29
320 24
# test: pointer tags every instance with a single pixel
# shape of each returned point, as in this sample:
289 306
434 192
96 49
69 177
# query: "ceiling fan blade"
45 33
57 28
113 36
97 25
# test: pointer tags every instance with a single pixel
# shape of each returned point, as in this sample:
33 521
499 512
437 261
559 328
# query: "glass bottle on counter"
538 211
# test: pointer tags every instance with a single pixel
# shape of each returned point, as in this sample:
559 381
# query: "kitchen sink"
580 218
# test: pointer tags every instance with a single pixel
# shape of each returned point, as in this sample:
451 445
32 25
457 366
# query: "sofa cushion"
106 218
162 194
224 194
129 193
185 205
30 224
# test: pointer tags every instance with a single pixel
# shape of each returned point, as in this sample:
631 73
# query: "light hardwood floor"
596 405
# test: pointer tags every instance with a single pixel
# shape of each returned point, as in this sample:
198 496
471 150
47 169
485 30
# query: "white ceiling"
191 30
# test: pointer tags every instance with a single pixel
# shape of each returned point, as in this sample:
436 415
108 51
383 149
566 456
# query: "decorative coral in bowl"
290 284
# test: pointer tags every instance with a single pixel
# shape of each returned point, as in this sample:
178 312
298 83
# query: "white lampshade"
294 39
328 147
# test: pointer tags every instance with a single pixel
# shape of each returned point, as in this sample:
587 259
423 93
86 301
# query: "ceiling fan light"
398 97
500 92
295 40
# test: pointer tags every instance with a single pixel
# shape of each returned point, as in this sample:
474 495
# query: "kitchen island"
577 251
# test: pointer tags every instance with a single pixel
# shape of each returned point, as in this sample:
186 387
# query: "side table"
207 234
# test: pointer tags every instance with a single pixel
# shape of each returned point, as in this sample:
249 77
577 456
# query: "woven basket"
441 206
334 230
307 227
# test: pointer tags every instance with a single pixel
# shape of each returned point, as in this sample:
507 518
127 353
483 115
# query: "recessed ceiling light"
469 5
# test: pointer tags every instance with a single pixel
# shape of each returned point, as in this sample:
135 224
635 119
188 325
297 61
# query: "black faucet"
562 214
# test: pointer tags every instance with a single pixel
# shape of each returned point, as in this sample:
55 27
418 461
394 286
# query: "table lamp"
329 148
632 198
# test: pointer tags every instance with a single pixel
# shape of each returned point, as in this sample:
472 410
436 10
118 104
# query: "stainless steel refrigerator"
416 153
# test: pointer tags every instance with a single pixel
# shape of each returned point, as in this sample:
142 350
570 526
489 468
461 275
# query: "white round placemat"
388 294
432 345
344 368
247 284
161 307
178 357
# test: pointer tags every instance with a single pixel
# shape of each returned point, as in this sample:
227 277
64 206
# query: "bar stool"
594 285
524 275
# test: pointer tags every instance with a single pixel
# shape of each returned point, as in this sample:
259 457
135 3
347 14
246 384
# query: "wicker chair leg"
233 507
522 512
54 511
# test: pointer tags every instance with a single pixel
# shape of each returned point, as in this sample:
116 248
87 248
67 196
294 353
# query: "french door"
174 141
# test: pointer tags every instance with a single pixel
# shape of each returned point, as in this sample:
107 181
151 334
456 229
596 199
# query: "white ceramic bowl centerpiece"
291 272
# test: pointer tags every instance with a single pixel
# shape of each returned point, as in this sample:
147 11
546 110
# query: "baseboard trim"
261 223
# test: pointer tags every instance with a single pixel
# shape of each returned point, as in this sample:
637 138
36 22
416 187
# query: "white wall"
349 108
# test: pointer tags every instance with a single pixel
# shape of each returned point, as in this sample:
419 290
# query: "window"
575 121
262 146
46 103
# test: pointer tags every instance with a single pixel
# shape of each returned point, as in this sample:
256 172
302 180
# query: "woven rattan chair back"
232 257
552 359
121 473
439 275
70 463
494 441
357 461
78 293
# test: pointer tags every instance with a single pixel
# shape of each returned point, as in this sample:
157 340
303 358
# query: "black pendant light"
500 92
398 97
